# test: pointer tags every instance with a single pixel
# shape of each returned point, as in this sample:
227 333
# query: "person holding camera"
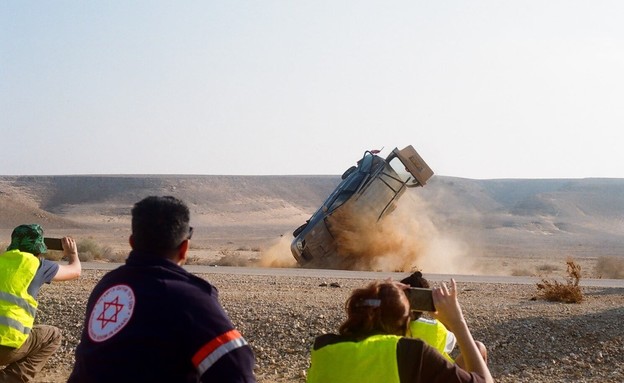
372 345
24 346
432 331
152 321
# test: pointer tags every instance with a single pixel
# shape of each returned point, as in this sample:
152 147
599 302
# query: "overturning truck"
372 188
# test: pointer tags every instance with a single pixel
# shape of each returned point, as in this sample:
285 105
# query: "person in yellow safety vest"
432 331
434 334
372 346
24 346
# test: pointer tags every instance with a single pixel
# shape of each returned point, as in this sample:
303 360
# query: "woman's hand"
447 306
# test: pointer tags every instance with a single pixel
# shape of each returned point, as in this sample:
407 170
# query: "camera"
53 243
420 299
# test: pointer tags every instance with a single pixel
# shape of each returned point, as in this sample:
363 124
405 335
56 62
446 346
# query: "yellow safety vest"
370 360
17 307
431 332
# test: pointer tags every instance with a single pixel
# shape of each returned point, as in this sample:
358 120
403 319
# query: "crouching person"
24 346
152 321
372 345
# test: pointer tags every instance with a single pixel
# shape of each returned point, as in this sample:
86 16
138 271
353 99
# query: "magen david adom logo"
111 313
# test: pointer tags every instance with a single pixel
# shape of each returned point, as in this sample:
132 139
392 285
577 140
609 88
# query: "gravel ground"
528 340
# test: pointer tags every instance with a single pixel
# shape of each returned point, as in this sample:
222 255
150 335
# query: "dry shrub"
195 260
569 292
88 250
610 267
195 246
53 255
521 273
117 257
232 258
547 268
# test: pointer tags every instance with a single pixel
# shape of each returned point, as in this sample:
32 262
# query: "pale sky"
481 89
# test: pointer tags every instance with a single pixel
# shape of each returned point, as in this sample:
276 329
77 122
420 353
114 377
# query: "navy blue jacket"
152 321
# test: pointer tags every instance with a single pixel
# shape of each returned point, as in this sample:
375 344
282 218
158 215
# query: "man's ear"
131 241
182 250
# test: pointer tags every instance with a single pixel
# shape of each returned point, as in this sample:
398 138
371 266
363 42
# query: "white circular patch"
111 312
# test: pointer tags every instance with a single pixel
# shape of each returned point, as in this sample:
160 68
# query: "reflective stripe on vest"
17 301
431 332
17 307
370 360
14 324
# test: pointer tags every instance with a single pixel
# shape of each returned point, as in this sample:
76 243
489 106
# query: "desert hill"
514 217
225 209
533 217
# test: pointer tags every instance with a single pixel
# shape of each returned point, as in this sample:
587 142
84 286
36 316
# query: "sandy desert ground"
529 340
466 232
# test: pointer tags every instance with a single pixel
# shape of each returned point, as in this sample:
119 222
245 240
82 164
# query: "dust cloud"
278 254
404 240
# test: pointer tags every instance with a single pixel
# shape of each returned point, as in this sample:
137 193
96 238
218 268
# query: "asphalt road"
329 274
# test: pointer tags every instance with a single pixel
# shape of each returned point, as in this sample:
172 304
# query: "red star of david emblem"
112 309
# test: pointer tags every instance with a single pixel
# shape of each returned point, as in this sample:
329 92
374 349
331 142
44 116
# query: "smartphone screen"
53 243
420 299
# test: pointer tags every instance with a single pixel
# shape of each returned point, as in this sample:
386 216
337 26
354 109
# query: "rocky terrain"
528 340
502 227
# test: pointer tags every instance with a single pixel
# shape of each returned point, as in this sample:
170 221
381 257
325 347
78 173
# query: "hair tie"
370 303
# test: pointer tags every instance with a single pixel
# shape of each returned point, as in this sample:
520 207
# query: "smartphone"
53 243
420 299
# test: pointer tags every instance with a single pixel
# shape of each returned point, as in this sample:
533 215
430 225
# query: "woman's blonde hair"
379 308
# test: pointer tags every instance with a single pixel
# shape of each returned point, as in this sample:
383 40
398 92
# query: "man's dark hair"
159 224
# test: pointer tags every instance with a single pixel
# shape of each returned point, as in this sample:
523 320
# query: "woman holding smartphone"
372 345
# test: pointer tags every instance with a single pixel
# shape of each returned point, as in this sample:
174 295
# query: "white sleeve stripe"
212 358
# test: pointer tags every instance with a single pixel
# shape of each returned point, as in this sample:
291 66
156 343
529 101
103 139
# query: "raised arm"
73 268
450 314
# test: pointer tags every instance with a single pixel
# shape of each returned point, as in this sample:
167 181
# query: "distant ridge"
566 215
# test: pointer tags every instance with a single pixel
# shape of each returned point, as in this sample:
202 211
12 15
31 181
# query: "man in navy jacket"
152 321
